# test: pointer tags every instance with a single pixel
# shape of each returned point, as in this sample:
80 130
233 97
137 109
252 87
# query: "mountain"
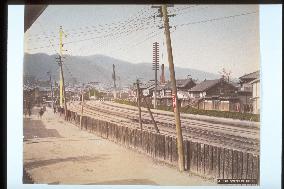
99 68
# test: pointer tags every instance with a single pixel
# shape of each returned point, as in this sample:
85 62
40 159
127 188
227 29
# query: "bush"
127 102
191 110
225 114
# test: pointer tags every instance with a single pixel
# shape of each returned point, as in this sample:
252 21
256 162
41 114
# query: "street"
57 152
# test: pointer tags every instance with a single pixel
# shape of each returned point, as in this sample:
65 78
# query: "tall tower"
162 77
155 68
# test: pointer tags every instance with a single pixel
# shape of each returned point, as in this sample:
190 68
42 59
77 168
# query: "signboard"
174 102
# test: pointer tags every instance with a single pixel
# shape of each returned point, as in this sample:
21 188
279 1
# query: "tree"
225 74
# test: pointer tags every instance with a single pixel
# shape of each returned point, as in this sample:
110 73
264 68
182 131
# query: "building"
245 81
250 86
183 85
215 94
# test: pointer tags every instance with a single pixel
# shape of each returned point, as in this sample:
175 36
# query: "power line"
104 36
103 27
123 35
178 10
99 37
217 19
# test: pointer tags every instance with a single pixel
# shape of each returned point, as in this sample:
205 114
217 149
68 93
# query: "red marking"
174 101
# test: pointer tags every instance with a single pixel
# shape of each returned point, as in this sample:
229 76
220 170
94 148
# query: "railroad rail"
242 138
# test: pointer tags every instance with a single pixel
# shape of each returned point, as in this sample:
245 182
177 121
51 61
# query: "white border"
271 121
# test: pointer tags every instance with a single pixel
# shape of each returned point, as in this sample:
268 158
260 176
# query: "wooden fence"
206 160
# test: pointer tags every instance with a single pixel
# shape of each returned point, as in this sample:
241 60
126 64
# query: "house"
249 92
148 88
215 94
183 85
256 95
245 81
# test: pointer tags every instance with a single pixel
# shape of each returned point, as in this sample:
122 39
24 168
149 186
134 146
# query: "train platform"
57 152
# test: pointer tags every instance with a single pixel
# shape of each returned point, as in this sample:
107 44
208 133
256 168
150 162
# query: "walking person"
29 111
41 112
25 112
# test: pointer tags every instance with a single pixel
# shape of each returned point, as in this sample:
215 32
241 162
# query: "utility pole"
139 103
61 82
155 68
174 89
82 110
114 80
151 115
51 90
55 94
62 93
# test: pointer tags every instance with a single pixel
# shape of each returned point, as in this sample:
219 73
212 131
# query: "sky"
204 37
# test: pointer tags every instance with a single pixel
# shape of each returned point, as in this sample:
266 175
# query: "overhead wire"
217 19
111 33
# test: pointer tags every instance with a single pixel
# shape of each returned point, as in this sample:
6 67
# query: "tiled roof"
148 84
179 82
253 75
206 84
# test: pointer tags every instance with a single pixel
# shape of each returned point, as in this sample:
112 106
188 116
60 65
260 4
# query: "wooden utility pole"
51 90
139 103
82 110
61 95
151 115
63 86
174 89
114 80
61 82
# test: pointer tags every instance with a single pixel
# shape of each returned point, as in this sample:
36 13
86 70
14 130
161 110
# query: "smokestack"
162 77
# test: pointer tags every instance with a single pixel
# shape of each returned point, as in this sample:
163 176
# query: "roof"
255 80
203 86
253 75
180 83
147 85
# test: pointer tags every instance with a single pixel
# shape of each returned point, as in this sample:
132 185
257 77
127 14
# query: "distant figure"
40 113
29 112
25 112
54 109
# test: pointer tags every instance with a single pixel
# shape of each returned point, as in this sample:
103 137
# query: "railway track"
239 138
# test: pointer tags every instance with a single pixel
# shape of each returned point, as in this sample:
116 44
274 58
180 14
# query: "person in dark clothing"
29 111
41 111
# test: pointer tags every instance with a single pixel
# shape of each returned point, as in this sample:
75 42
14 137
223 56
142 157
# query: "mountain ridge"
99 68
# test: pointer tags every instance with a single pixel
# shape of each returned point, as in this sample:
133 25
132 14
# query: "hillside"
99 68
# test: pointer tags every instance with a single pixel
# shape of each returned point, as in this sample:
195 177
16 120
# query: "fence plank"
194 161
235 165
250 166
240 165
215 162
186 155
228 153
200 158
207 159
221 162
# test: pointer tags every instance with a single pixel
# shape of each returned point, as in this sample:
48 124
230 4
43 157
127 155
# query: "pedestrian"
54 109
41 112
25 112
29 112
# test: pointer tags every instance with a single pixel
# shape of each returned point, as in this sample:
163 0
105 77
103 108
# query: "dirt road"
56 152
